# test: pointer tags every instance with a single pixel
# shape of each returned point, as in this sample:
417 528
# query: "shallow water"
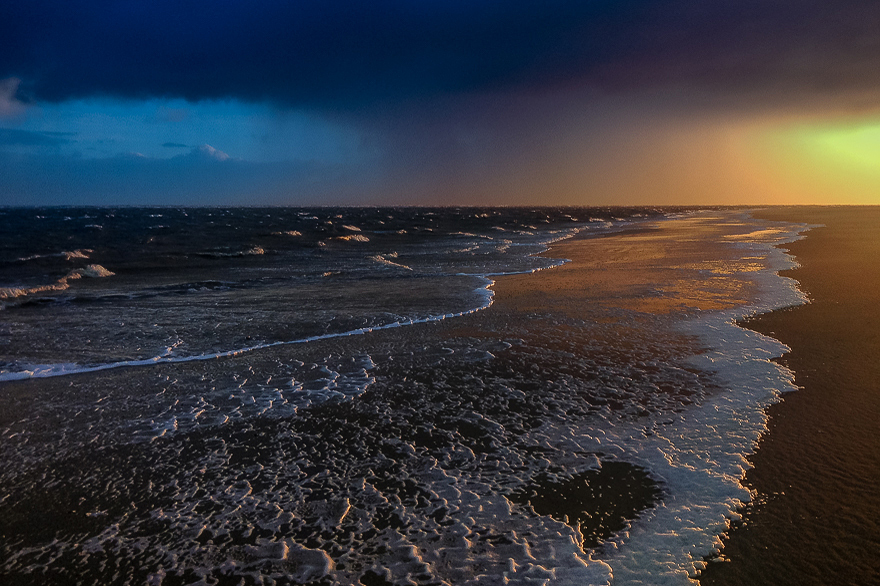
350 412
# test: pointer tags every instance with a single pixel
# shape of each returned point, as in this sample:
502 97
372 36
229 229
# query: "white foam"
701 454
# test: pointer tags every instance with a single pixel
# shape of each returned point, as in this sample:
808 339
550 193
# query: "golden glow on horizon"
629 154
833 163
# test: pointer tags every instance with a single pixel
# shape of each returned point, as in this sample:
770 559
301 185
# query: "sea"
335 396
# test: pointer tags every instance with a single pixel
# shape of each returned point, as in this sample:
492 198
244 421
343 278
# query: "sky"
454 102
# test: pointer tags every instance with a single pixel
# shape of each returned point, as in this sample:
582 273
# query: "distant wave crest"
89 271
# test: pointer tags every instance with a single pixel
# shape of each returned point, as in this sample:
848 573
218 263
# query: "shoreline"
814 518
657 279
575 375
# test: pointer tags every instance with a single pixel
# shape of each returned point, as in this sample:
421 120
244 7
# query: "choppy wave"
65 254
251 251
383 259
92 271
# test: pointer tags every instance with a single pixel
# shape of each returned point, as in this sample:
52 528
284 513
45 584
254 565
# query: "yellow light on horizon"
830 162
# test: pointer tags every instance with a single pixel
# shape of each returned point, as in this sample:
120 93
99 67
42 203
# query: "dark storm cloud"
291 52
334 54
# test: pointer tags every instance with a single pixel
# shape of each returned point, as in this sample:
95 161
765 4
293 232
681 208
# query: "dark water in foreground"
287 396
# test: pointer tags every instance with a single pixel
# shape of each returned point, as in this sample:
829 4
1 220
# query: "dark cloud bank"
350 55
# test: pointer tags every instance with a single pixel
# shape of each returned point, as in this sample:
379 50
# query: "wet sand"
816 516
637 270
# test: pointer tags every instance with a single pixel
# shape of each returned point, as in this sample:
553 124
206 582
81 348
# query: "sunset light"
439 292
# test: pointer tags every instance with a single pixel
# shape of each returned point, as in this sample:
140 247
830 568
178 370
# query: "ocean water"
331 396
198 283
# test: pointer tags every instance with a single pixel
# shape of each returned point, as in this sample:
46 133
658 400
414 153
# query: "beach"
346 293
585 422
816 519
